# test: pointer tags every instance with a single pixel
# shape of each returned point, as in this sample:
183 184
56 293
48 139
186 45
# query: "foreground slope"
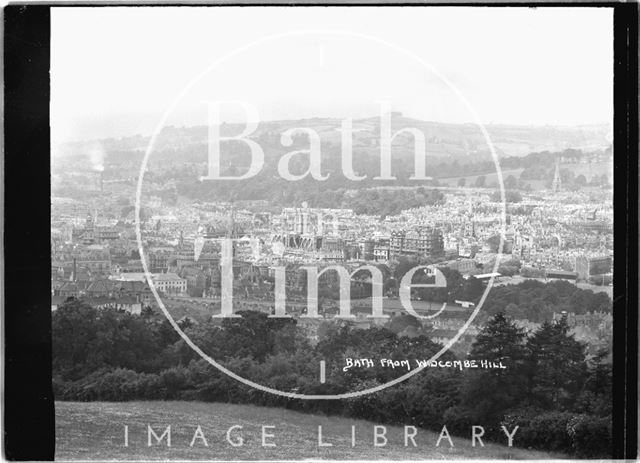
95 431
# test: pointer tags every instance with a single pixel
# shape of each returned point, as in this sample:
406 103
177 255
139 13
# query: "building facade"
421 241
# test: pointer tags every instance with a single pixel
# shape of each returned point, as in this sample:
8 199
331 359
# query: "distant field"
95 431
588 170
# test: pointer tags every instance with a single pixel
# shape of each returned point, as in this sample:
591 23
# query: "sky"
116 71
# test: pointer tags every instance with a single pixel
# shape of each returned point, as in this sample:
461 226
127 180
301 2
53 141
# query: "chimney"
74 275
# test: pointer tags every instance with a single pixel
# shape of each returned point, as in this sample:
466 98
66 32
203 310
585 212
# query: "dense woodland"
559 396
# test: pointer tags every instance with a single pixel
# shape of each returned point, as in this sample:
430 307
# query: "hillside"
95 431
444 140
453 152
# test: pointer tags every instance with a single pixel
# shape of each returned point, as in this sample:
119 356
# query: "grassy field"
588 170
95 431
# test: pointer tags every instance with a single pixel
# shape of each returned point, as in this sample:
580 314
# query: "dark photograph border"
29 424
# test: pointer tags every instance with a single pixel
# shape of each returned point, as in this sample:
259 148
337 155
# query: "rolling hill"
443 139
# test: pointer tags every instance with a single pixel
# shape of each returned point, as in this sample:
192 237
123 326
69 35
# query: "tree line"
559 396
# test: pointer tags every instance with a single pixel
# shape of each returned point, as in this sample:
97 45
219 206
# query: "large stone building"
587 267
170 283
420 241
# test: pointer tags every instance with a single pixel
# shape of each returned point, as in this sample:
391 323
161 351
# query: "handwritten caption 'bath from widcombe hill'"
390 363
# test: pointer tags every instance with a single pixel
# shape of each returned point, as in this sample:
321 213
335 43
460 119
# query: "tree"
600 302
556 365
581 180
401 323
596 396
253 335
489 392
480 181
450 293
73 326
86 339
513 310
462 182
167 334
510 182
567 176
510 196
404 265
494 242
531 272
500 340
472 289
507 270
